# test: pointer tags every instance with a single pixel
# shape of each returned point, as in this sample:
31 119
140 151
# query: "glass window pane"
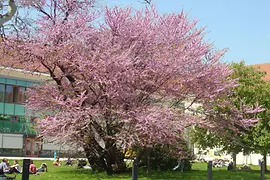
9 94
15 94
21 95
2 92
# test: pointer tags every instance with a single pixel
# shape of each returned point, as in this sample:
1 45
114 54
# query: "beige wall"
11 141
20 74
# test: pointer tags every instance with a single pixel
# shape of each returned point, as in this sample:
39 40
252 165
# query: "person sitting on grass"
68 162
32 168
15 167
43 168
57 162
3 168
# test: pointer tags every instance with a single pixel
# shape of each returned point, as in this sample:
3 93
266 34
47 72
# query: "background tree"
113 73
252 90
260 137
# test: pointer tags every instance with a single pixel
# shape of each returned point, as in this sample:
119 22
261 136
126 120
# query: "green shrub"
162 159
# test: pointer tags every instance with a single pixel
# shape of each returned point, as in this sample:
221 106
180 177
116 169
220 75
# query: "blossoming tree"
113 73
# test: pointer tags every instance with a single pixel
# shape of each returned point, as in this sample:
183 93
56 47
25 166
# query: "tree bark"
265 162
148 162
110 159
234 161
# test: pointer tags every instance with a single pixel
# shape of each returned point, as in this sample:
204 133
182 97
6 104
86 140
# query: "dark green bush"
162 159
80 163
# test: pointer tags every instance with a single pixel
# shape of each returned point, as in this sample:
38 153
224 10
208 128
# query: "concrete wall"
240 157
11 141
50 144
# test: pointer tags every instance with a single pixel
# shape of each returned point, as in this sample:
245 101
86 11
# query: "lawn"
198 173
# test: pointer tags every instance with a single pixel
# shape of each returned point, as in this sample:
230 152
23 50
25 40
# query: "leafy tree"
261 133
252 90
112 74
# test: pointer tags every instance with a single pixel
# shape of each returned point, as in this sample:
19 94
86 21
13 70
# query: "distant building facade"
18 136
264 67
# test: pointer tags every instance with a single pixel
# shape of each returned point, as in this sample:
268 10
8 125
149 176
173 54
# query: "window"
9 94
2 92
21 95
15 94
13 118
18 94
12 94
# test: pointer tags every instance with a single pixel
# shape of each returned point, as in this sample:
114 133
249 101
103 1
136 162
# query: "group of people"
58 163
33 169
6 168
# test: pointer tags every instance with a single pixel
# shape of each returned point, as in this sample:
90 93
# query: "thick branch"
12 10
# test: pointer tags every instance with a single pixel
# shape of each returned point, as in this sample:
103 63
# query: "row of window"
14 118
12 94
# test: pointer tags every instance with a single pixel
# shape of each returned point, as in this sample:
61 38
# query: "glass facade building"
18 136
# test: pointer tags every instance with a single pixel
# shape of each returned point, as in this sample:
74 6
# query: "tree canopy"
113 72
252 90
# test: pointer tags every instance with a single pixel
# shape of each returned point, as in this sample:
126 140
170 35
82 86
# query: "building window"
15 94
9 94
18 94
22 94
14 118
12 94
2 92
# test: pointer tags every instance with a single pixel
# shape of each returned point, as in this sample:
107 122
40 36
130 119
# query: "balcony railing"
17 127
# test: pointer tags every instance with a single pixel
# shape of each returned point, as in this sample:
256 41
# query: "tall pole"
135 170
25 173
209 170
262 170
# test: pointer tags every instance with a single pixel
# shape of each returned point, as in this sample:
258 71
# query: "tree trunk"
265 162
110 159
148 161
234 161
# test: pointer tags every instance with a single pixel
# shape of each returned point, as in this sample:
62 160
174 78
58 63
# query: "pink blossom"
114 79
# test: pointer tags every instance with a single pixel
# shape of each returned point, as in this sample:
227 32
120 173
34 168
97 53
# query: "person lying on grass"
43 168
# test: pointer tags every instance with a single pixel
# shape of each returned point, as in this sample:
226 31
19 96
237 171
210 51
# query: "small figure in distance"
57 162
43 168
68 162
230 166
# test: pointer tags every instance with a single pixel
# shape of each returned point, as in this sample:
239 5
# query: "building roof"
23 75
264 67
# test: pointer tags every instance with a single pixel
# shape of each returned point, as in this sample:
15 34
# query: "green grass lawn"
198 173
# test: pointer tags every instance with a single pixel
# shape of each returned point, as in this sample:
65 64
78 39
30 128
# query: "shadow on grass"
172 175
95 175
217 175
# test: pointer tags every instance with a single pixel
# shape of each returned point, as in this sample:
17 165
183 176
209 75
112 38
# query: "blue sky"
243 26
